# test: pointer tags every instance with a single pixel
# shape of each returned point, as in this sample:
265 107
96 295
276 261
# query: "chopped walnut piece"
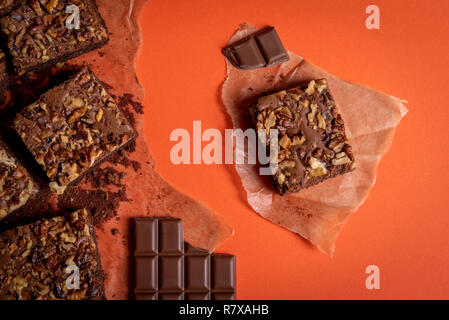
317 168
285 142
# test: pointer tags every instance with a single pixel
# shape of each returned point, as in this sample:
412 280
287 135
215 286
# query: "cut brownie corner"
73 128
51 259
313 146
39 35
17 187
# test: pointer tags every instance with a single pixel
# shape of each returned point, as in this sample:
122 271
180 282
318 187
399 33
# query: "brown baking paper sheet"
148 193
317 213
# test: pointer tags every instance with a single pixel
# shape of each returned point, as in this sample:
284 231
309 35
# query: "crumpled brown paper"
317 213
148 193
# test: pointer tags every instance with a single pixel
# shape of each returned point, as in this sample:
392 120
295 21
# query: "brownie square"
7 5
72 128
39 36
313 146
16 185
39 260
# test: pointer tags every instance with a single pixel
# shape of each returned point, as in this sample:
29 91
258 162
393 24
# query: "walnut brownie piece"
38 34
72 128
16 185
38 261
7 5
312 142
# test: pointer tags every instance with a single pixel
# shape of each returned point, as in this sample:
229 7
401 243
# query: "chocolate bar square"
223 273
258 50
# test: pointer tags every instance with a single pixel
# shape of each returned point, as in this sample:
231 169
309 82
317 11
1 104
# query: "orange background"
404 226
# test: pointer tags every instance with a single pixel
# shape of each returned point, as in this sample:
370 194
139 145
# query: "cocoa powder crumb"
103 205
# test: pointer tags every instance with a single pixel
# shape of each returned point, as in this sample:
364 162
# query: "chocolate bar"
16 185
313 146
38 35
167 268
51 260
72 128
261 49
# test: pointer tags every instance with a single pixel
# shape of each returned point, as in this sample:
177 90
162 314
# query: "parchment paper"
317 213
148 193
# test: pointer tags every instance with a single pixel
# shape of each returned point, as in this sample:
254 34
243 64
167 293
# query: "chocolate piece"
167 268
72 128
312 142
261 49
16 185
38 33
38 261
7 5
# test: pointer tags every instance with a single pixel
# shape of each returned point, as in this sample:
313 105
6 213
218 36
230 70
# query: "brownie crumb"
101 178
103 205
128 99
122 157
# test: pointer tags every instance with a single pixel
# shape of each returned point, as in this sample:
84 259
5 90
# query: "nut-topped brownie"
40 35
40 261
7 5
16 185
312 142
72 128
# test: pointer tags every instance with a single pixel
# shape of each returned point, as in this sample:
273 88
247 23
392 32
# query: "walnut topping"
311 115
340 159
297 141
285 142
312 140
270 121
287 164
72 136
51 5
38 257
321 121
99 115
77 114
321 85
16 186
37 32
317 168
281 178
310 88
